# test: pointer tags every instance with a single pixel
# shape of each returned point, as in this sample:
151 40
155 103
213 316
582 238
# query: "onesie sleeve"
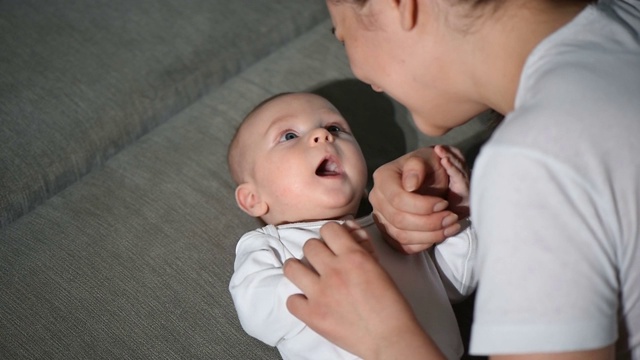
260 290
455 259
546 267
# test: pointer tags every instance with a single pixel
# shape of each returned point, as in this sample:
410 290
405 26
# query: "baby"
298 166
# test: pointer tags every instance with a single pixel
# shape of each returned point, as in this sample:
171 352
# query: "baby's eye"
288 136
334 128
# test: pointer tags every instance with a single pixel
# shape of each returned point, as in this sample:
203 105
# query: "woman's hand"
408 199
350 300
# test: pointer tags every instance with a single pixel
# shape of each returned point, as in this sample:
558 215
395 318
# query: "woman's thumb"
412 174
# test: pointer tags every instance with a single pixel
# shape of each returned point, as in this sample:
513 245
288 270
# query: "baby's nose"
321 135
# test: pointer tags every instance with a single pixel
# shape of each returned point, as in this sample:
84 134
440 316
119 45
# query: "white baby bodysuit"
260 290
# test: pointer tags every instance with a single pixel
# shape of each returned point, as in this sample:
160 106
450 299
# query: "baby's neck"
339 218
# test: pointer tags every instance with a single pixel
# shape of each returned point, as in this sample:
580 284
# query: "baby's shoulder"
264 235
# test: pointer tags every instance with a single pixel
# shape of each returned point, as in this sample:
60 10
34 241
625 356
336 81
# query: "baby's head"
295 159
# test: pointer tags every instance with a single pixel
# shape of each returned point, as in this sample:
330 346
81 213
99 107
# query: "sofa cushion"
80 80
134 260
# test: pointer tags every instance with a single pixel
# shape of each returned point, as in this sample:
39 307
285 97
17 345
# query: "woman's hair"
471 3
470 9
466 15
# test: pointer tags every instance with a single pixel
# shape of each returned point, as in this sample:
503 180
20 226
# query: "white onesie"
260 290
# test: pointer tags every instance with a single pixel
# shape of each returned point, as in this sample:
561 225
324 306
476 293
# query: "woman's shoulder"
580 76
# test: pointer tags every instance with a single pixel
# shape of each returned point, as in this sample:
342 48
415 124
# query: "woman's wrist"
408 342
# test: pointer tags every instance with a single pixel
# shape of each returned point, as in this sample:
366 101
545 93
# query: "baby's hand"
453 162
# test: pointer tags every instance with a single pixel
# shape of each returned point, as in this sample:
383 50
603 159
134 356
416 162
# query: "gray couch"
117 218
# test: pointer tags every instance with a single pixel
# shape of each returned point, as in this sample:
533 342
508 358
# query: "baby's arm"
455 257
260 290
454 164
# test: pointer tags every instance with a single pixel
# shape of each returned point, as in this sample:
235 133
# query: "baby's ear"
249 200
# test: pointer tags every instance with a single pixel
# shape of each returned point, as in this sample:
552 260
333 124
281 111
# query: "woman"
555 194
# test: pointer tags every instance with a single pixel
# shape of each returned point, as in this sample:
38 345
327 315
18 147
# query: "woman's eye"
288 136
333 128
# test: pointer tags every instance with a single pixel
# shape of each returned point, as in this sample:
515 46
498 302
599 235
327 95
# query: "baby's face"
307 164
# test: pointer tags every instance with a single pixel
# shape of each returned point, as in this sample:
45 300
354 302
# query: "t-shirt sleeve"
547 277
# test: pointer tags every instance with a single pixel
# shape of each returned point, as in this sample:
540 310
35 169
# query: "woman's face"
413 65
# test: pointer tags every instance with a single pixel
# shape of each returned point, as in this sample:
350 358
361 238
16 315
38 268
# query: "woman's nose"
321 135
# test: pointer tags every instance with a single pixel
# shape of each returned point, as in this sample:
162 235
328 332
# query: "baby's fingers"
453 156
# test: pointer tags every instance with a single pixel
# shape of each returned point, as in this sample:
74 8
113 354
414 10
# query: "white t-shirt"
260 290
555 196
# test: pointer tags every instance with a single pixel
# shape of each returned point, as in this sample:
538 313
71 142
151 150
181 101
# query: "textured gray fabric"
134 260
79 80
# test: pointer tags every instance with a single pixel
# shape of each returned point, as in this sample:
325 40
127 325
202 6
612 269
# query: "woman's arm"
352 302
606 353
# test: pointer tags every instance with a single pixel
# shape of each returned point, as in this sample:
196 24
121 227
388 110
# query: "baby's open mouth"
328 167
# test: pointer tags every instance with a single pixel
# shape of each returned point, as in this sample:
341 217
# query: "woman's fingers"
411 241
410 184
339 239
431 223
300 274
397 199
413 172
360 235
321 254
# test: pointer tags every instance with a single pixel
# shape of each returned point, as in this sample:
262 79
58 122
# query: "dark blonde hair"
475 9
